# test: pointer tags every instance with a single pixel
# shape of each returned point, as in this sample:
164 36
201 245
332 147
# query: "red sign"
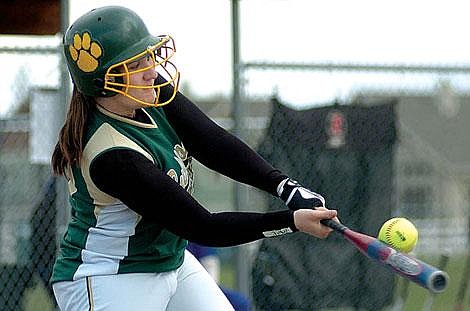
336 128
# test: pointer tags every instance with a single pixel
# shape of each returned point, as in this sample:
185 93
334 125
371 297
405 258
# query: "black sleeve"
138 183
217 149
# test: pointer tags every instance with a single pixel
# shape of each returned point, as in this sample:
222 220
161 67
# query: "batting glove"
296 197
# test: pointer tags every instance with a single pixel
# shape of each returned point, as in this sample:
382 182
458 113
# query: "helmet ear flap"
99 83
116 79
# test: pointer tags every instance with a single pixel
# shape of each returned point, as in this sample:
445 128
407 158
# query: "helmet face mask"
101 44
118 76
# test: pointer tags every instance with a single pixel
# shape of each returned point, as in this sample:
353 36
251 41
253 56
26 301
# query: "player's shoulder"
155 112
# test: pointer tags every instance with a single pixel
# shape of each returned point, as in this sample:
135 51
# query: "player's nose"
150 74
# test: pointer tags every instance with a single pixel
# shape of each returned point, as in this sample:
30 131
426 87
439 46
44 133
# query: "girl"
125 150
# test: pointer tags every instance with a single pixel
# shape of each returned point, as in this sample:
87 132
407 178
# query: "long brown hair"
69 147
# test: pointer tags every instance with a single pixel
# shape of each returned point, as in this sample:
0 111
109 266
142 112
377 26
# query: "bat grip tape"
334 225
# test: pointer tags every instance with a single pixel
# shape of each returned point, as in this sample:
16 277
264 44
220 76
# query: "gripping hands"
297 197
308 206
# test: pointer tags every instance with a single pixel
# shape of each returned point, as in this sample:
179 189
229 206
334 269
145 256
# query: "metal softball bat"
405 265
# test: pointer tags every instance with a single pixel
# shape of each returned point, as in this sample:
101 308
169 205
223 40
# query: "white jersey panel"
107 243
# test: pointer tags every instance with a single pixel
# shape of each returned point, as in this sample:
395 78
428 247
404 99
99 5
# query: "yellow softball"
400 234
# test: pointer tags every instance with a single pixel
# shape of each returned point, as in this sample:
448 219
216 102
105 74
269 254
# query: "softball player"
125 150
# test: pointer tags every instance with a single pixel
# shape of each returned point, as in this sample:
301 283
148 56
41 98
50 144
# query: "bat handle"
334 225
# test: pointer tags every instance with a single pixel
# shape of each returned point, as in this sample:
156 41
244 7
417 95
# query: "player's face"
142 73
135 77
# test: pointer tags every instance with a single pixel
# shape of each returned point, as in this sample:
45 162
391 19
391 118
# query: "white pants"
189 287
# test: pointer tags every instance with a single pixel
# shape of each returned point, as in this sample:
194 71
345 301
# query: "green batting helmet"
99 45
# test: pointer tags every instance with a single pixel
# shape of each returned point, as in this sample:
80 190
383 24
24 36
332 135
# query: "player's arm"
137 182
223 152
218 149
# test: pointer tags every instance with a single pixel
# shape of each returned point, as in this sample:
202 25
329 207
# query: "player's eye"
133 65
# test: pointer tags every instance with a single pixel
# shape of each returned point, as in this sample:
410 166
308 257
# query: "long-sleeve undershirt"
218 149
143 187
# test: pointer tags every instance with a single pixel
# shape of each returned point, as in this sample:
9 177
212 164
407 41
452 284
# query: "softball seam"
388 233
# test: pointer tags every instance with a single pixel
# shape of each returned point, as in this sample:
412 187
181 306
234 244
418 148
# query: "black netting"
346 154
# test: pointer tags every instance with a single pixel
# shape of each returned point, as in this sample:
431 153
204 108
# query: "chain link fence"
28 190
377 152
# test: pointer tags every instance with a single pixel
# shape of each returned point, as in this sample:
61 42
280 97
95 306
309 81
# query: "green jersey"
104 236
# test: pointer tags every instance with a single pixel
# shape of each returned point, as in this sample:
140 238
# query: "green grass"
417 297
36 297
228 276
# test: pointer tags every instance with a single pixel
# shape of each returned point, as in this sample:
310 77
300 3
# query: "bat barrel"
407 266
423 274
437 282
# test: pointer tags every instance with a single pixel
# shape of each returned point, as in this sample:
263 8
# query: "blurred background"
365 102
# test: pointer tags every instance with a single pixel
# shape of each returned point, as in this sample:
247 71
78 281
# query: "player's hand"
296 197
308 221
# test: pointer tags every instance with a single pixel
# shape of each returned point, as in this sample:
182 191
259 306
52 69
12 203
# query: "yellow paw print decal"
85 52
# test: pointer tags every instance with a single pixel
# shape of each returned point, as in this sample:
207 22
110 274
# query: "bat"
407 266
443 261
